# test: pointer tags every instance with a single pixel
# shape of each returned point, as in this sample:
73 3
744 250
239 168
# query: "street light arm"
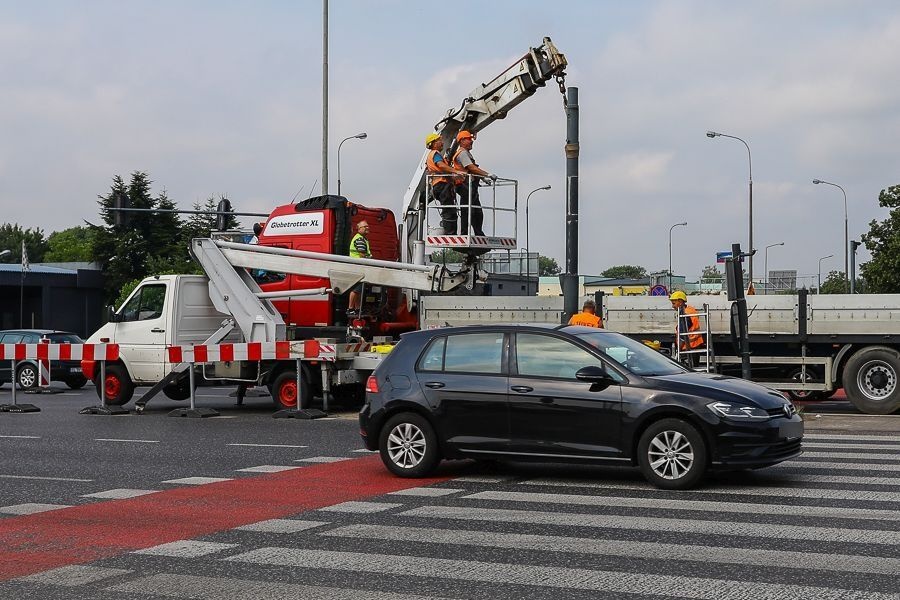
734 137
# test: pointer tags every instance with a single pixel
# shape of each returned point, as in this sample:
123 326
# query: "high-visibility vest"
354 253
457 165
432 168
586 320
695 340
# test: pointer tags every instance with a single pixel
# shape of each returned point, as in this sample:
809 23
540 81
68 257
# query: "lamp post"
819 289
670 251
528 239
766 264
714 134
846 234
358 136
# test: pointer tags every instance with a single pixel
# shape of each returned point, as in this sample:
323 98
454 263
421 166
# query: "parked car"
572 394
27 373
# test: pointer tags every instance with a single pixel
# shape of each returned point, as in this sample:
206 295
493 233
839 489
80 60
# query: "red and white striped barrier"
470 240
203 353
88 352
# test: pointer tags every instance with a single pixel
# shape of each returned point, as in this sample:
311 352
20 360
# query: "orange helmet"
463 135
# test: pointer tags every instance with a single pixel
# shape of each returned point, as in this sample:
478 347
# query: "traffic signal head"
222 215
121 202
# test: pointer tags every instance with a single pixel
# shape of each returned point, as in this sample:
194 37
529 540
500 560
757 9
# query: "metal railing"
494 206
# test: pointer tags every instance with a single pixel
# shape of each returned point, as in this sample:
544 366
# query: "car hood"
719 388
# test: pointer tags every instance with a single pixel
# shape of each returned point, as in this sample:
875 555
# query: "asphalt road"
106 507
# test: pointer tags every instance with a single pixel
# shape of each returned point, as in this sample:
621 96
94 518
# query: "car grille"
779 412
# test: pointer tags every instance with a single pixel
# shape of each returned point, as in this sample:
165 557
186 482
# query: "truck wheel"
871 380
408 445
178 391
27 376
672 454
77 382
118 385
811 375
284 390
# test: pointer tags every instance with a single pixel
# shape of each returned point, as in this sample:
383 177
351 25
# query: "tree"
203 225
547 266
882 272
74 244
625 272
711 272
834 283
11 236
448 256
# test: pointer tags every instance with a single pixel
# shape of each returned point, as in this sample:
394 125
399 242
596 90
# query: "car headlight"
737 411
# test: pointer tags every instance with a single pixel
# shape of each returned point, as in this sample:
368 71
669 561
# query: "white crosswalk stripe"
856 438
831 466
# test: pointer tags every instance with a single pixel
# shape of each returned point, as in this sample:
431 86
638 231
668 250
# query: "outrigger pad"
107 410
194 413
303 413
19 408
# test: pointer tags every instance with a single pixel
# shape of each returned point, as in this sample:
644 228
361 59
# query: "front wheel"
118 385
672 454
870 380
27 376
408 445
284 390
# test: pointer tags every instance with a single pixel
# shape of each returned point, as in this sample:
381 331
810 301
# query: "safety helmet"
679 295
463 135
431 138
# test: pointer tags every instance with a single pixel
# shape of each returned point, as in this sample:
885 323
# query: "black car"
27 373
564 393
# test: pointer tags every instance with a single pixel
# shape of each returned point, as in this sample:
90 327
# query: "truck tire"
76 382
118 385
178 391
284 390
811 376
871 380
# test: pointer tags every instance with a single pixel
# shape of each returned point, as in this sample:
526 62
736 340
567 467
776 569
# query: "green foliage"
882 272
447 256
834 284
711 273
625 272
11 236
74 244
547 266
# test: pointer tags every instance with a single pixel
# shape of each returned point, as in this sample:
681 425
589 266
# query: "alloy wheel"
406 445
670 455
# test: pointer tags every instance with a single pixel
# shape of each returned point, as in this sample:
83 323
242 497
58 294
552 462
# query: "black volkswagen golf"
573 394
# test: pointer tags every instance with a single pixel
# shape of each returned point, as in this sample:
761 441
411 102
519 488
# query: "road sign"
659 290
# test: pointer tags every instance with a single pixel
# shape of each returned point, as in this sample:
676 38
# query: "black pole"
740 303
569 280
853 246
22 301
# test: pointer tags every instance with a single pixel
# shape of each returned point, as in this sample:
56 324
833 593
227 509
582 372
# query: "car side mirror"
594 374
111 315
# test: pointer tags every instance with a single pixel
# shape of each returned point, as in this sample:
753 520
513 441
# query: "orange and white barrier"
90 352
257 351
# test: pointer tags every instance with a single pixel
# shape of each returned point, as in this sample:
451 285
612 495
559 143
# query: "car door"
141 332
554 414
464 379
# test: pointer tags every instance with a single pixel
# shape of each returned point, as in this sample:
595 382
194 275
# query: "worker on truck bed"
687 322
441 187
587 317
359 248
467 187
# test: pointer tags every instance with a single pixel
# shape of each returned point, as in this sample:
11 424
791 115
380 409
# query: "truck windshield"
632 355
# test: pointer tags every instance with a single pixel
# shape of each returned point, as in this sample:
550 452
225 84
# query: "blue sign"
659 290
724 257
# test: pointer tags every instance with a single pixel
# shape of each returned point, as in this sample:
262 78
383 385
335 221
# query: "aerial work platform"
499 206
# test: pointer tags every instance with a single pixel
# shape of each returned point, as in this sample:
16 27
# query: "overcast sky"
218 97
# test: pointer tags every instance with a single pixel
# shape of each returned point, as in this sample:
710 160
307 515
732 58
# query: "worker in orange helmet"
687 323
588 316
467 187
441 187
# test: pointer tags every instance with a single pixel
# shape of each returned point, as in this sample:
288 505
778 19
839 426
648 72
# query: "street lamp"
714 134
527 239
846 232
670 251
819 289
766 264
5 253
358 136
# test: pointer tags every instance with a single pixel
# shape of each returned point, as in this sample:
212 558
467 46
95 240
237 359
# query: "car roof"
570 329
38 331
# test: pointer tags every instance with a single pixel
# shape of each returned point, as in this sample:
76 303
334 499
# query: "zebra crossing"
544 531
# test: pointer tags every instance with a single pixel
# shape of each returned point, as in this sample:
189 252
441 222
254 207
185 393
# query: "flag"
25 266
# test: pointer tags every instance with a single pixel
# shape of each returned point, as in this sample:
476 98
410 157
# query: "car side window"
147 304
546 356
31 338
11 338
433 359
474 353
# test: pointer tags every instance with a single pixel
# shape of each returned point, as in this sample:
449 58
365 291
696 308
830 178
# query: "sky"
224 97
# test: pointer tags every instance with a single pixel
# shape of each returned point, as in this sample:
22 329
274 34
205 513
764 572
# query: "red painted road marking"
81 534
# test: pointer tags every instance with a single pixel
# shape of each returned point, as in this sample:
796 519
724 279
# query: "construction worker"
467 187
587 317
359 248
687 322
441 187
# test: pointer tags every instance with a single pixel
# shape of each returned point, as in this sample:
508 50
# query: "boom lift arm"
484 105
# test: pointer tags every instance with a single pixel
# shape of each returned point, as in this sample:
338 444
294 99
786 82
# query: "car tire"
118 385
178 391
77 382
672 454
27 376
408 445
284 390
871 380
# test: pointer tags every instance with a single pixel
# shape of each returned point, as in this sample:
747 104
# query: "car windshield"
633 356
